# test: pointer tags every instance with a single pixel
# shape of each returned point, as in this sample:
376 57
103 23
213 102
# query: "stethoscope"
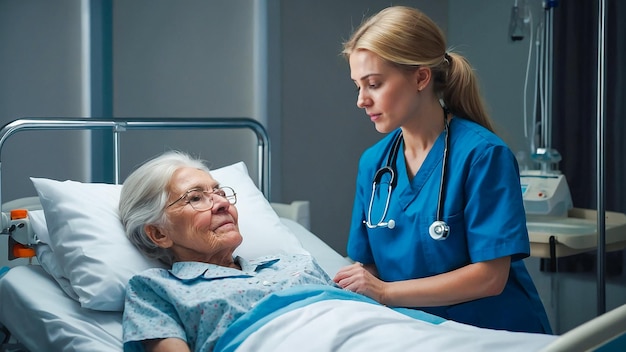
439 229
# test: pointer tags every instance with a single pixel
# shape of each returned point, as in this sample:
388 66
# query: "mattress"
44 318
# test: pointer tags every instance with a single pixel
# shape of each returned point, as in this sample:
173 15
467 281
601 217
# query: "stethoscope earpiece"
439 230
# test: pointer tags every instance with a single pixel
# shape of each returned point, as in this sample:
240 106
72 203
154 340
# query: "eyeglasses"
202 200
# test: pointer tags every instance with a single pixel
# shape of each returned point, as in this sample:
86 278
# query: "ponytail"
460 91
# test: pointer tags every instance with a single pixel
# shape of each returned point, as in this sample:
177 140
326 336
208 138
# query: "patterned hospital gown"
197 302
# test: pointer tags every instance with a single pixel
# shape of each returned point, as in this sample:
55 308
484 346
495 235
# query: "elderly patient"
173 210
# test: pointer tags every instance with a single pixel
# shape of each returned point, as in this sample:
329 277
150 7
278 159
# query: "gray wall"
40 66
185 61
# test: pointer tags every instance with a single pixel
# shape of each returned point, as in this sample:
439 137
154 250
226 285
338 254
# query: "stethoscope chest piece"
439 230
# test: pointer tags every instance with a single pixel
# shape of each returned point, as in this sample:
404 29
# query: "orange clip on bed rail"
19 214
21 251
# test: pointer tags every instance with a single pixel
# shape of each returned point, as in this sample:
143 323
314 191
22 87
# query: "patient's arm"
166 345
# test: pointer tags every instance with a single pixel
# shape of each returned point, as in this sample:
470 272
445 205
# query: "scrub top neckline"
408 190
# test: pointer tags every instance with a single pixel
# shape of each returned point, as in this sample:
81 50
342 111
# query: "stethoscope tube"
439 229
381 223
391 160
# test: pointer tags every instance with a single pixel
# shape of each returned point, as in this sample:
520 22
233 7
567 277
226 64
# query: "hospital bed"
72 298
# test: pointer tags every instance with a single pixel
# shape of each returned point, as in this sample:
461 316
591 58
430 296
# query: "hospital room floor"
570 296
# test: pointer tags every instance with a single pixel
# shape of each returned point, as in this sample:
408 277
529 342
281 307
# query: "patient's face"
209 236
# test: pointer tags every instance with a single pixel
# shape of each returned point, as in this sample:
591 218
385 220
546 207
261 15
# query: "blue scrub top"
482 205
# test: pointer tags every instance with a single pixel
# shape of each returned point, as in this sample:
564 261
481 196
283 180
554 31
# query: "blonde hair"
408 39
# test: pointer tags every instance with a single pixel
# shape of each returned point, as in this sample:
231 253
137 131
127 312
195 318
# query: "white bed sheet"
360 326
43 318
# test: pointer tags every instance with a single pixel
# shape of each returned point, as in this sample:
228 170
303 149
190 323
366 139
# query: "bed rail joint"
120 127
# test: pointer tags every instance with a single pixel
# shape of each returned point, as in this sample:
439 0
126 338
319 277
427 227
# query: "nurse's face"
388 95
208 236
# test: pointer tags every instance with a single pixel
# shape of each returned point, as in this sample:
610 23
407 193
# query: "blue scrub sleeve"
358 247
494 213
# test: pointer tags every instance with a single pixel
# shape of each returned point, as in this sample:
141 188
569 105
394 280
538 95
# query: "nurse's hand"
360 278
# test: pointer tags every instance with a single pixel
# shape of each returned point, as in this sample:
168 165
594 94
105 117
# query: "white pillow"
47 260
262 230
38 222
90 246
45 255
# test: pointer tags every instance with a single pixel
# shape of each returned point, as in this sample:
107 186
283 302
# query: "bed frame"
119 125
607 331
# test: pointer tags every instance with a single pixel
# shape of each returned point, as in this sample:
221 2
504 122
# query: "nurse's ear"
422 77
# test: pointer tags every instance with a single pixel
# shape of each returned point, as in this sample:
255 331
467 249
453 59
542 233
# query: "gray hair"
144 197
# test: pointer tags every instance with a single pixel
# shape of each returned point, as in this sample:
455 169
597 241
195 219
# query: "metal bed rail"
119 125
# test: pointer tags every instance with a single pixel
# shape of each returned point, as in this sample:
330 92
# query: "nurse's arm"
470 282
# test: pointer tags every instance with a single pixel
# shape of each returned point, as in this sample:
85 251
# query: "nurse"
451 169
